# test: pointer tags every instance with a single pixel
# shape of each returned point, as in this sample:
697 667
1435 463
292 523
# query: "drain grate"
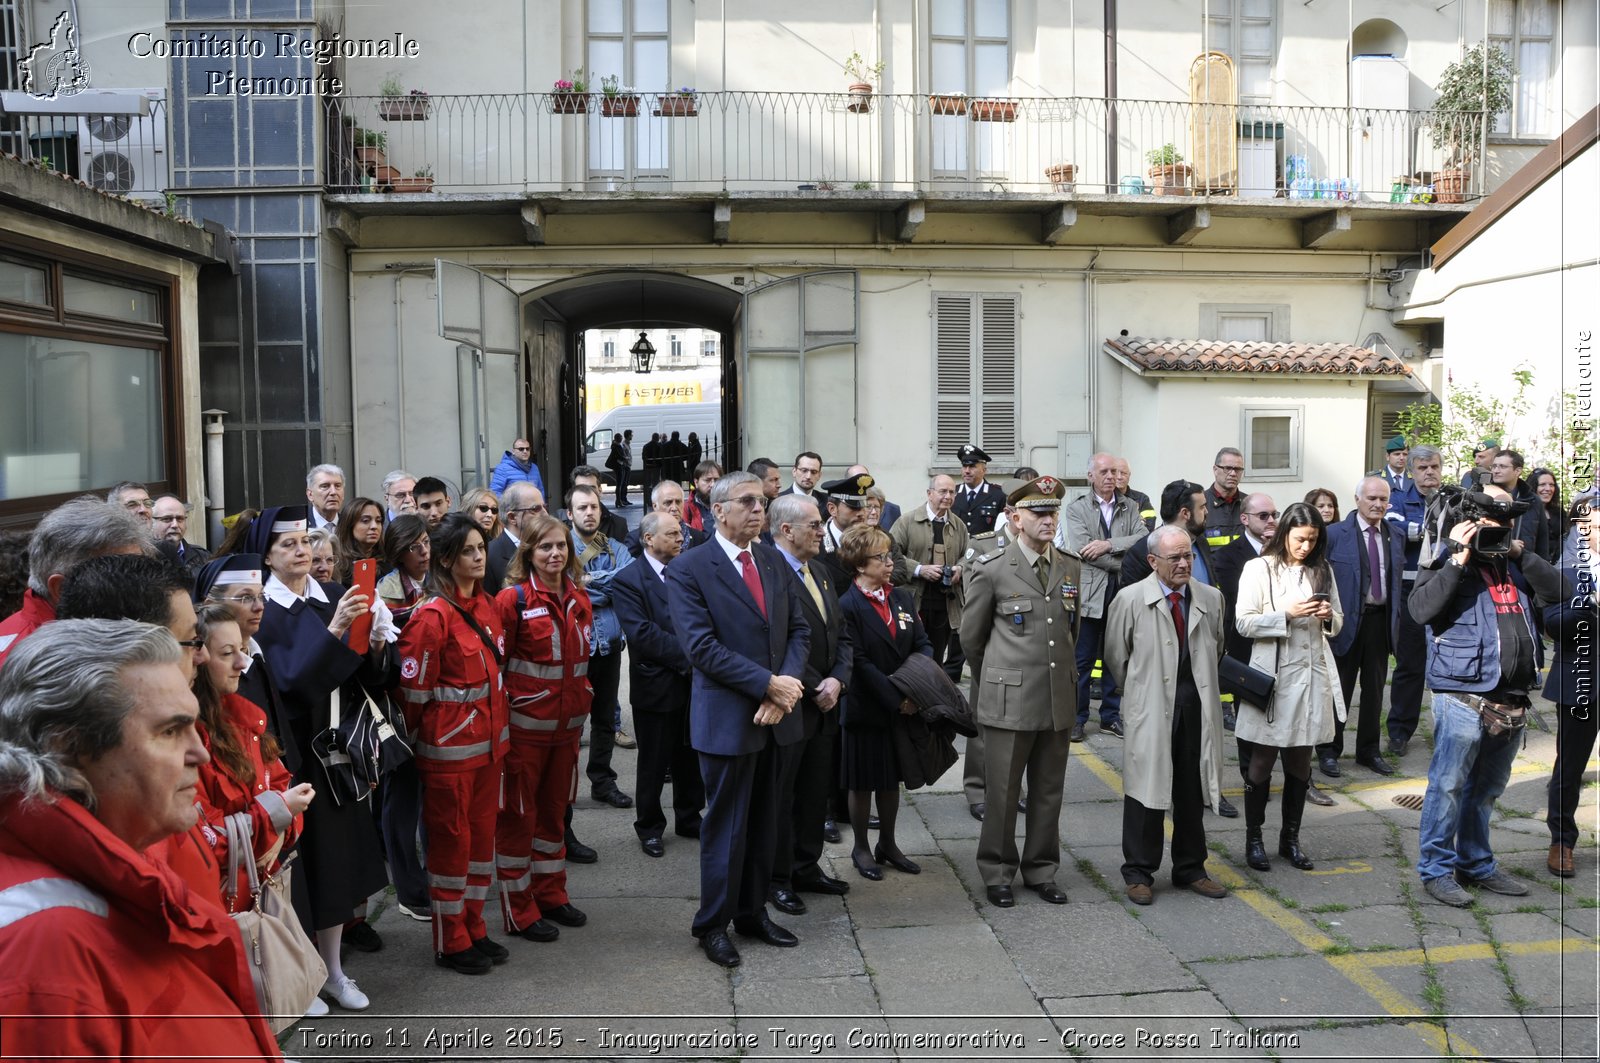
1410 801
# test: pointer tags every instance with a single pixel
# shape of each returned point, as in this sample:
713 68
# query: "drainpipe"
214 475
1112 175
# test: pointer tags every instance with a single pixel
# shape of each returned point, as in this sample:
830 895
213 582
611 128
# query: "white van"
702 418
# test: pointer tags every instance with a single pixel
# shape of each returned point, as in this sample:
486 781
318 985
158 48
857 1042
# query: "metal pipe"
215 475
1111 94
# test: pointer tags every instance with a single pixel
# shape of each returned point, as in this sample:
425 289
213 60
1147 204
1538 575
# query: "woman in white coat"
1290 607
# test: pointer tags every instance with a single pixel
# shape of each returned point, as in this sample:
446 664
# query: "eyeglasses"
522 448
747 501
139 503
420 547
887 559
1230 468
1264 515
1177 559
249 601
193 644
526 509
814 525
176 518
489 509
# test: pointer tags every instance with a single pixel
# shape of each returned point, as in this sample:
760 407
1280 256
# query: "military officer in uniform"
1019 625
979 547
1393 472
978 502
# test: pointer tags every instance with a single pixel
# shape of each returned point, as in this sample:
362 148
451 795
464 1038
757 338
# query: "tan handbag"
284 965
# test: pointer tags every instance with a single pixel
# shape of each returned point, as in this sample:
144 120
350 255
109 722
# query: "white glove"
383 626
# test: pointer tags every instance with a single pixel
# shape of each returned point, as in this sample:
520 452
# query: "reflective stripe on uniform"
417 697
529 723
447 882
581 668
30 898
511 863
460 694
477 749
547 867
576 721
478 893
448 907
542 846
533 668
480 867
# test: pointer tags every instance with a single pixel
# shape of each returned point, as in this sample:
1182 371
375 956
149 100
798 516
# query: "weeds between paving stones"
1486 925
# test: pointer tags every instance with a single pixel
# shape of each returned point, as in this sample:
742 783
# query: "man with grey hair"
135 498
666 498
325 492
520 503
397 499
72 532
170 526
928 546
99 762
1408 511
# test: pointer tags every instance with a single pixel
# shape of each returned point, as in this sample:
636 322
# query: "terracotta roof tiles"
1218 356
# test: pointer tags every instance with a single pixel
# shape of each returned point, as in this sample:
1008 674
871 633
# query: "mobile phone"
1319 597
363 580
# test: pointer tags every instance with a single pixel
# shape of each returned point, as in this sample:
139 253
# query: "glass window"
1243 30
21 282
628 40
105 299
1525 31
970 53
1272 442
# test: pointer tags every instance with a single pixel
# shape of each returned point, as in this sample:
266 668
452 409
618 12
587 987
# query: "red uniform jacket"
106 954
34 614
223 795
547 665
454 701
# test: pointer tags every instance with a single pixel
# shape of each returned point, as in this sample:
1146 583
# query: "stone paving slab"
1185 1025
1287 992
1567 979
1388 1041
1564 1035
934 898
916 972
827 946
1478 1010
816 1016
1380 926
1087 950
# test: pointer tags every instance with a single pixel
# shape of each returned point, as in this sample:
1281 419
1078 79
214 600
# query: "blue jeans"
1091 636
1468 772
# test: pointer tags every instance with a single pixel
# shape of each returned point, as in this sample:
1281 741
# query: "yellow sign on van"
607 394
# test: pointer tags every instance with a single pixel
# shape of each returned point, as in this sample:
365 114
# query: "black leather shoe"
1002 897
867 870
830 832
1317 797
579 853
1329 766
468 961
719 949
496 952
1077 733
613 797
567 915
822 884
688 832
976 809
872 823
899 862
652 847
539 930
1112 728
1230 720
787 901
1398 746
768 931
1225 809
1377 764
361 937
1022 804
1051 892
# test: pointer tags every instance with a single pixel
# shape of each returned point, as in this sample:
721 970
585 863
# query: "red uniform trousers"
530 847
458 812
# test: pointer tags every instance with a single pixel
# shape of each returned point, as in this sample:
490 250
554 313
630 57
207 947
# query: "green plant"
372 138
577 81
1472 417
1472 92
172 203
861 71
391 87
862 186
425 172
1166 155
610 84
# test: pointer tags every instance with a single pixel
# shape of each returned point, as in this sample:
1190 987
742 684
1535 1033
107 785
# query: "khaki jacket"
1020 639
1080 525
912 536
1141 650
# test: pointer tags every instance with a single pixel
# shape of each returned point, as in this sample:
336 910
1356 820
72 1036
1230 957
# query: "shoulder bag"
1248 684
285 969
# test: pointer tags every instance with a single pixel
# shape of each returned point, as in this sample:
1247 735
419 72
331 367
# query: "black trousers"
664 747
806 775
1574 742
400 824
936 622
1368 657
736 837
1141 827
954 659
1410 667
605 676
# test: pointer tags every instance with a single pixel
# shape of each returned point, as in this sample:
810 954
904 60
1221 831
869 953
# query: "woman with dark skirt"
885 631
317 674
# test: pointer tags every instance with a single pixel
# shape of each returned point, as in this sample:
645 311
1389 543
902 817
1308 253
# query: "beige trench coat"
1141 649
1306 698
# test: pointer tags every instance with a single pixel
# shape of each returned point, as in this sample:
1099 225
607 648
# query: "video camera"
1452 505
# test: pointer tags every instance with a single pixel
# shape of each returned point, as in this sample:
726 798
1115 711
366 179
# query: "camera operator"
928 546
1476 604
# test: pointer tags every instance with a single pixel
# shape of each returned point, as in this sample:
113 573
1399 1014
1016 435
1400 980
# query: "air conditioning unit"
126 154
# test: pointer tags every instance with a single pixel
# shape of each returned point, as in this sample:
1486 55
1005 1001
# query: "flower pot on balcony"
948 104
676 107
1170 180
619 106
569 102
413 184
404 108
993 111
1062 176
860 98
1450 186
371 156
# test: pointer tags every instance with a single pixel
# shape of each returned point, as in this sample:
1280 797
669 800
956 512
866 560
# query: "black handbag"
357 750
1245 683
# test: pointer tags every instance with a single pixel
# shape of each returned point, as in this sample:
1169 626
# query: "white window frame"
1511 126
972 131
1211 315
1297 418
1223 33
981 384
630 168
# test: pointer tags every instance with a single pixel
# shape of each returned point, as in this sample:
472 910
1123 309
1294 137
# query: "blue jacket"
512 469
1347 554
1572 623
1453 604
1408 507
601 569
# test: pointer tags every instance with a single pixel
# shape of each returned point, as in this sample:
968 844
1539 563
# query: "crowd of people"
796 656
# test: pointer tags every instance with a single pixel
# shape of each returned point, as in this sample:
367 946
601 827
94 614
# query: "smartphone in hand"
363 580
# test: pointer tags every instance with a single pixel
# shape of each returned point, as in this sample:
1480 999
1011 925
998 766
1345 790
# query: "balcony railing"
796 141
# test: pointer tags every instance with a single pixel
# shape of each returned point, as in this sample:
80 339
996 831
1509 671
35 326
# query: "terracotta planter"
371 156
676 107
860 98
404 108
948 104
1450 186
1062 176
569 102
619 106
413 184
993 111
1170 180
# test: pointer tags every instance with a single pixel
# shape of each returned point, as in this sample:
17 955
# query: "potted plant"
948 103
1062 176
617 101
570 95
1472 93
421 181
371 148
680 103
864 76
399 106
1169 174
992 111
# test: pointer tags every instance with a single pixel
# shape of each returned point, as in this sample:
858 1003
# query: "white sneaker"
318 1008
345 993
424 916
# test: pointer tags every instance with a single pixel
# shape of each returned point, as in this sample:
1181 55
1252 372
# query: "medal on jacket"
1069 594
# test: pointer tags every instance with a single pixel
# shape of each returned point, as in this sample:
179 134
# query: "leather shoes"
830 832
567 915
822 884
1141 894
1317 797
491 948
1077 733
1207 888
872 822
1377 764
898 861
1225 809
976 809
1397 746
1329 766
1051 892
1002 897
468 961
1112 728
768 931
868 870
579 853
719 949
539 930
613 797
787 901
1560 861
652 847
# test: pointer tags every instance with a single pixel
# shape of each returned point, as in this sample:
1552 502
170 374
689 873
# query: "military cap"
1045 492
849 490
1488 443
971 455
1397 443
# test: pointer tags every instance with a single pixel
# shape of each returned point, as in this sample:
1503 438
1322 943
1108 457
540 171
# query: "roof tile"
1237 356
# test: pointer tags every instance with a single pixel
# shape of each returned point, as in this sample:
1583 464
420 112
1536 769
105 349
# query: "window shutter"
997 366
975 372
953 329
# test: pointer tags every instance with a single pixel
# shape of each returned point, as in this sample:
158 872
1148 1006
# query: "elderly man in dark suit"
736 608
807 771
1368 557
1573 622
658 689
521 502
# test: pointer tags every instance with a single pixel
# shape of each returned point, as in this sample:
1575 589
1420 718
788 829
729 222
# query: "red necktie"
752 580
1176 598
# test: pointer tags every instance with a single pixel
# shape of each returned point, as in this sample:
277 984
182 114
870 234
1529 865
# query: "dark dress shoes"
1077 733
1317 797
1051 892
976 808
865 867
766 930
567 915
830 832
613 797
539 930
1002 897
787 901
579 853
652 847
872 822
468 961
361 937
719 949
1225 809
1329 766
496 952
822 884
1398 746
898 861
1377 764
